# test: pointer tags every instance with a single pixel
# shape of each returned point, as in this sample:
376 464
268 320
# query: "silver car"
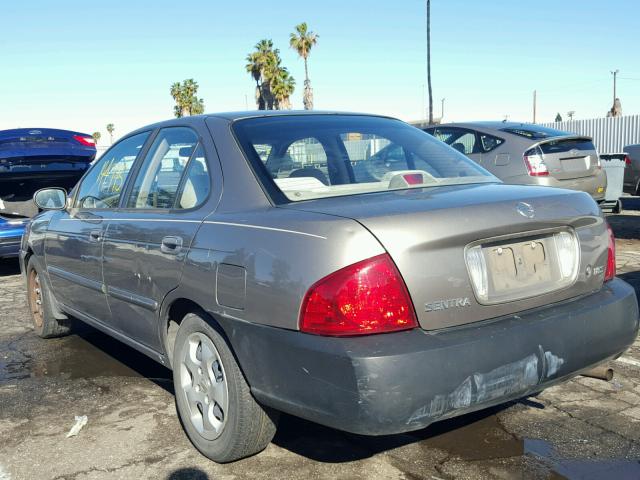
280 262
529 154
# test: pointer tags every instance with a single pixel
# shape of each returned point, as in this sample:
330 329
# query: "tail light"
86 141
535 163
364 298
627 160
610 270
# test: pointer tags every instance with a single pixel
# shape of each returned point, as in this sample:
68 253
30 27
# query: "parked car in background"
319 277
11 229
528 154
632 172
34 158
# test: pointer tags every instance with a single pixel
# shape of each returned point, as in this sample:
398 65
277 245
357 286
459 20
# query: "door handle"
95 235
171 244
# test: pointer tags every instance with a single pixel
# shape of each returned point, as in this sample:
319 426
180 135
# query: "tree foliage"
96 137
302 41
274 84
185 96
111 128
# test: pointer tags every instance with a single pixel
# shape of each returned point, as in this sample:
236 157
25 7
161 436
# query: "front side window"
102 186
319 156
158 181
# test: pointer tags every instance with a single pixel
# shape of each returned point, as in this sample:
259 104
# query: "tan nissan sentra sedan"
277 263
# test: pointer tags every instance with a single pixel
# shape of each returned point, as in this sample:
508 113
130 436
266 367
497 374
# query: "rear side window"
489 142
159 179
196 183
319 156
102 185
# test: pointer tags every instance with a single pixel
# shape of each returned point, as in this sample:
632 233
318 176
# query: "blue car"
31 159
11 230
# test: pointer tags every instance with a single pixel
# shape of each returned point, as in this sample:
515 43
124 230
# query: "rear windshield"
535 132
304 157
562 146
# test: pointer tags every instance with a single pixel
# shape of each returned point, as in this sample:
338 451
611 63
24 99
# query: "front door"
148 238
75 236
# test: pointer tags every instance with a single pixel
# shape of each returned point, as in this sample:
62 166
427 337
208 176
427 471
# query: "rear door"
149 236
568 157
73 246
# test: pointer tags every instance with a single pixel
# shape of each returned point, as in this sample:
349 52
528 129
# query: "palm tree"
185 96
429 61
96 137
282 87
111 128
264 66
302 41
254 68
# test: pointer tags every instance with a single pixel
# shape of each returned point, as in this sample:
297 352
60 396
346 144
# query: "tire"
215 406
617 208
40 301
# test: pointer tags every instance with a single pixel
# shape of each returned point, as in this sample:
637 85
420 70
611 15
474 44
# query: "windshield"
300 157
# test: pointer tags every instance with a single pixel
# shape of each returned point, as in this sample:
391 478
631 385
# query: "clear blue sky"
81 65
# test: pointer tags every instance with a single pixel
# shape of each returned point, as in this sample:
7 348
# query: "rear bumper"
392 383
595 185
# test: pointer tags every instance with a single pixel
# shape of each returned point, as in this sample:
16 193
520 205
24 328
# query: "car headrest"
185 151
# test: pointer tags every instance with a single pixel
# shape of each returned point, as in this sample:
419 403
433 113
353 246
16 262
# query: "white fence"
610 134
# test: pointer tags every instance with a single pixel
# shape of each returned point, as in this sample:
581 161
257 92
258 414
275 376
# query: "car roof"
240 115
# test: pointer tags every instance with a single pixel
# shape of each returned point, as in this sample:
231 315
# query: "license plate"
518 265
503 271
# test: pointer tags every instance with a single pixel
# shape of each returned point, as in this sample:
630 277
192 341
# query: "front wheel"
213 399
45 324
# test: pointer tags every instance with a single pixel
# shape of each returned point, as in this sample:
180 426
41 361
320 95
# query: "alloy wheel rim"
204 386
35 299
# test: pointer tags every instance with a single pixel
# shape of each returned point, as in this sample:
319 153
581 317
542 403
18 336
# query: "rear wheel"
218 413
39 297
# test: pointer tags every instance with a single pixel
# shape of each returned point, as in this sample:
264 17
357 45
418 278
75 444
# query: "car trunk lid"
427 232
565 157
31 159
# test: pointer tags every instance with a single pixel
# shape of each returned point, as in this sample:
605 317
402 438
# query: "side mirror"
50 198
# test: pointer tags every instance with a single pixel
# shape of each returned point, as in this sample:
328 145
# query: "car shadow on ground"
89 352
9 266
327 445
96 353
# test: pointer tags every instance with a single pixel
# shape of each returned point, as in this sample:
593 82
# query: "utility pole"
429 61
614 73
442 110
534 106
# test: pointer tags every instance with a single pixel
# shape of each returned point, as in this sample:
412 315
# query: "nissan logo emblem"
525 210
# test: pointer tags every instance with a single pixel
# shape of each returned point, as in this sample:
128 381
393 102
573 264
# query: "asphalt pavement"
585 428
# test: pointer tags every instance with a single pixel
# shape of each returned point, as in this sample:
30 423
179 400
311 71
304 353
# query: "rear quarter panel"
257 267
